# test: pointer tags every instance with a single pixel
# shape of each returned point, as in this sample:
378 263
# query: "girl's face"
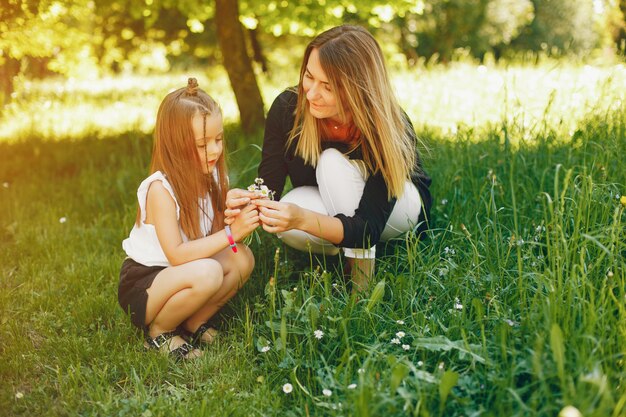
209 139
321 99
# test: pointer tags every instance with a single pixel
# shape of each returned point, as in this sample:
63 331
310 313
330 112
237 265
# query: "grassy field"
513 305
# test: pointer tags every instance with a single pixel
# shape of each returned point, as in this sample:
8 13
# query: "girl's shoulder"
162 187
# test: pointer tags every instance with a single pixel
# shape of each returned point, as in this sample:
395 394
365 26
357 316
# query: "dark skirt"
135 279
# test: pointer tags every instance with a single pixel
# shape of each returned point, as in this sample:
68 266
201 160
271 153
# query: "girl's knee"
208 275
246 262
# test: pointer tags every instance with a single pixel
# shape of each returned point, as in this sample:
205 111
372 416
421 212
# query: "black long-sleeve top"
363 229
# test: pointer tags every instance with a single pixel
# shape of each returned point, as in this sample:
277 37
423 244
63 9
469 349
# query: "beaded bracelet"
231 241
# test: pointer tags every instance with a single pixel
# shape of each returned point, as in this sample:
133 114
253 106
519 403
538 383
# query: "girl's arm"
161 212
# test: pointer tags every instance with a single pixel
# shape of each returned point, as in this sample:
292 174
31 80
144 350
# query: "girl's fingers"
231 212
237 202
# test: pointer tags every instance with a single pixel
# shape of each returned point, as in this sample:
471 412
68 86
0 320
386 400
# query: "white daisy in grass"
400 335
287 388
400 322
395 341
318 334
406 347
327 392
352 386
570 411
265 349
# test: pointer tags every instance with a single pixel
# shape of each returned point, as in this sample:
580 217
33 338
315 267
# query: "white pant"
340 187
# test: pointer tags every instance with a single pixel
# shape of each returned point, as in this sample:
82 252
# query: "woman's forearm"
320 225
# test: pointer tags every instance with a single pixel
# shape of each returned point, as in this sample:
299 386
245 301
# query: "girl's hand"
236 199
279 217
245 222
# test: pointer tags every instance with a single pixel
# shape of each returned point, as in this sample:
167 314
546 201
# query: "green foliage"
512 305
561 27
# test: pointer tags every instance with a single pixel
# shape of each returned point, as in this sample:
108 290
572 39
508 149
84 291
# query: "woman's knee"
331 159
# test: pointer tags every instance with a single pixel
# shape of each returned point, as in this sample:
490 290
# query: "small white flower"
444 202
287 388
420 363
457 304
406 347
19 395
318 334
360 370
395 341
441 365
334 285
400 335
352 386
327 392
295 289
62 220
265 349
570 411
400 322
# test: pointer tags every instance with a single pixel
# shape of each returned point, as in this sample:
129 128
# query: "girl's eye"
307 75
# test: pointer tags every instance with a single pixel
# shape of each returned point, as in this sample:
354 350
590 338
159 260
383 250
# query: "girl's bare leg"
237 268
178 292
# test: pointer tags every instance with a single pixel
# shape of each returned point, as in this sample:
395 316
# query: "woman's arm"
279 217
279 122
161 212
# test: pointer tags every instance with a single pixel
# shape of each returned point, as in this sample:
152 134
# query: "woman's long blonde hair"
174 154
355 67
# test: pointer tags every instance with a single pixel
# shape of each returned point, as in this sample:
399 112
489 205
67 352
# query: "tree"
480 26
560 27
238 65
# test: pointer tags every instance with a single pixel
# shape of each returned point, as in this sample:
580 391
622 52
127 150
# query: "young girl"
183 263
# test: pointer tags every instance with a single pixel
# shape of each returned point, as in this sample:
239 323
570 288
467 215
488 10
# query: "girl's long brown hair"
174 154
355 67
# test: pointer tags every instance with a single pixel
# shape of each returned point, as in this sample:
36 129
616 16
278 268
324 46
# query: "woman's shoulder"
287 98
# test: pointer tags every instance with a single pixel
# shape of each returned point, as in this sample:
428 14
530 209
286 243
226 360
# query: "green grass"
514 304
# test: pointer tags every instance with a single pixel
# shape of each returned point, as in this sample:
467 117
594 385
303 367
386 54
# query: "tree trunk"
238 65
257 51
8 70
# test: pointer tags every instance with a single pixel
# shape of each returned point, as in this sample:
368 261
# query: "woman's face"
321 99
209 134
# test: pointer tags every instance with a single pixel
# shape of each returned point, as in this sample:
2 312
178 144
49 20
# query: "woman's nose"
312 93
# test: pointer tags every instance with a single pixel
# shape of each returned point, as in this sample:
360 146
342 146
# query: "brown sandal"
163 342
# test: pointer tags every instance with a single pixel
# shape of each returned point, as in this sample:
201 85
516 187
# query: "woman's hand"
236 200
279 217
245 222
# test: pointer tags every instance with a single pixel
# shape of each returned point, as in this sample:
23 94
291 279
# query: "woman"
349 151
